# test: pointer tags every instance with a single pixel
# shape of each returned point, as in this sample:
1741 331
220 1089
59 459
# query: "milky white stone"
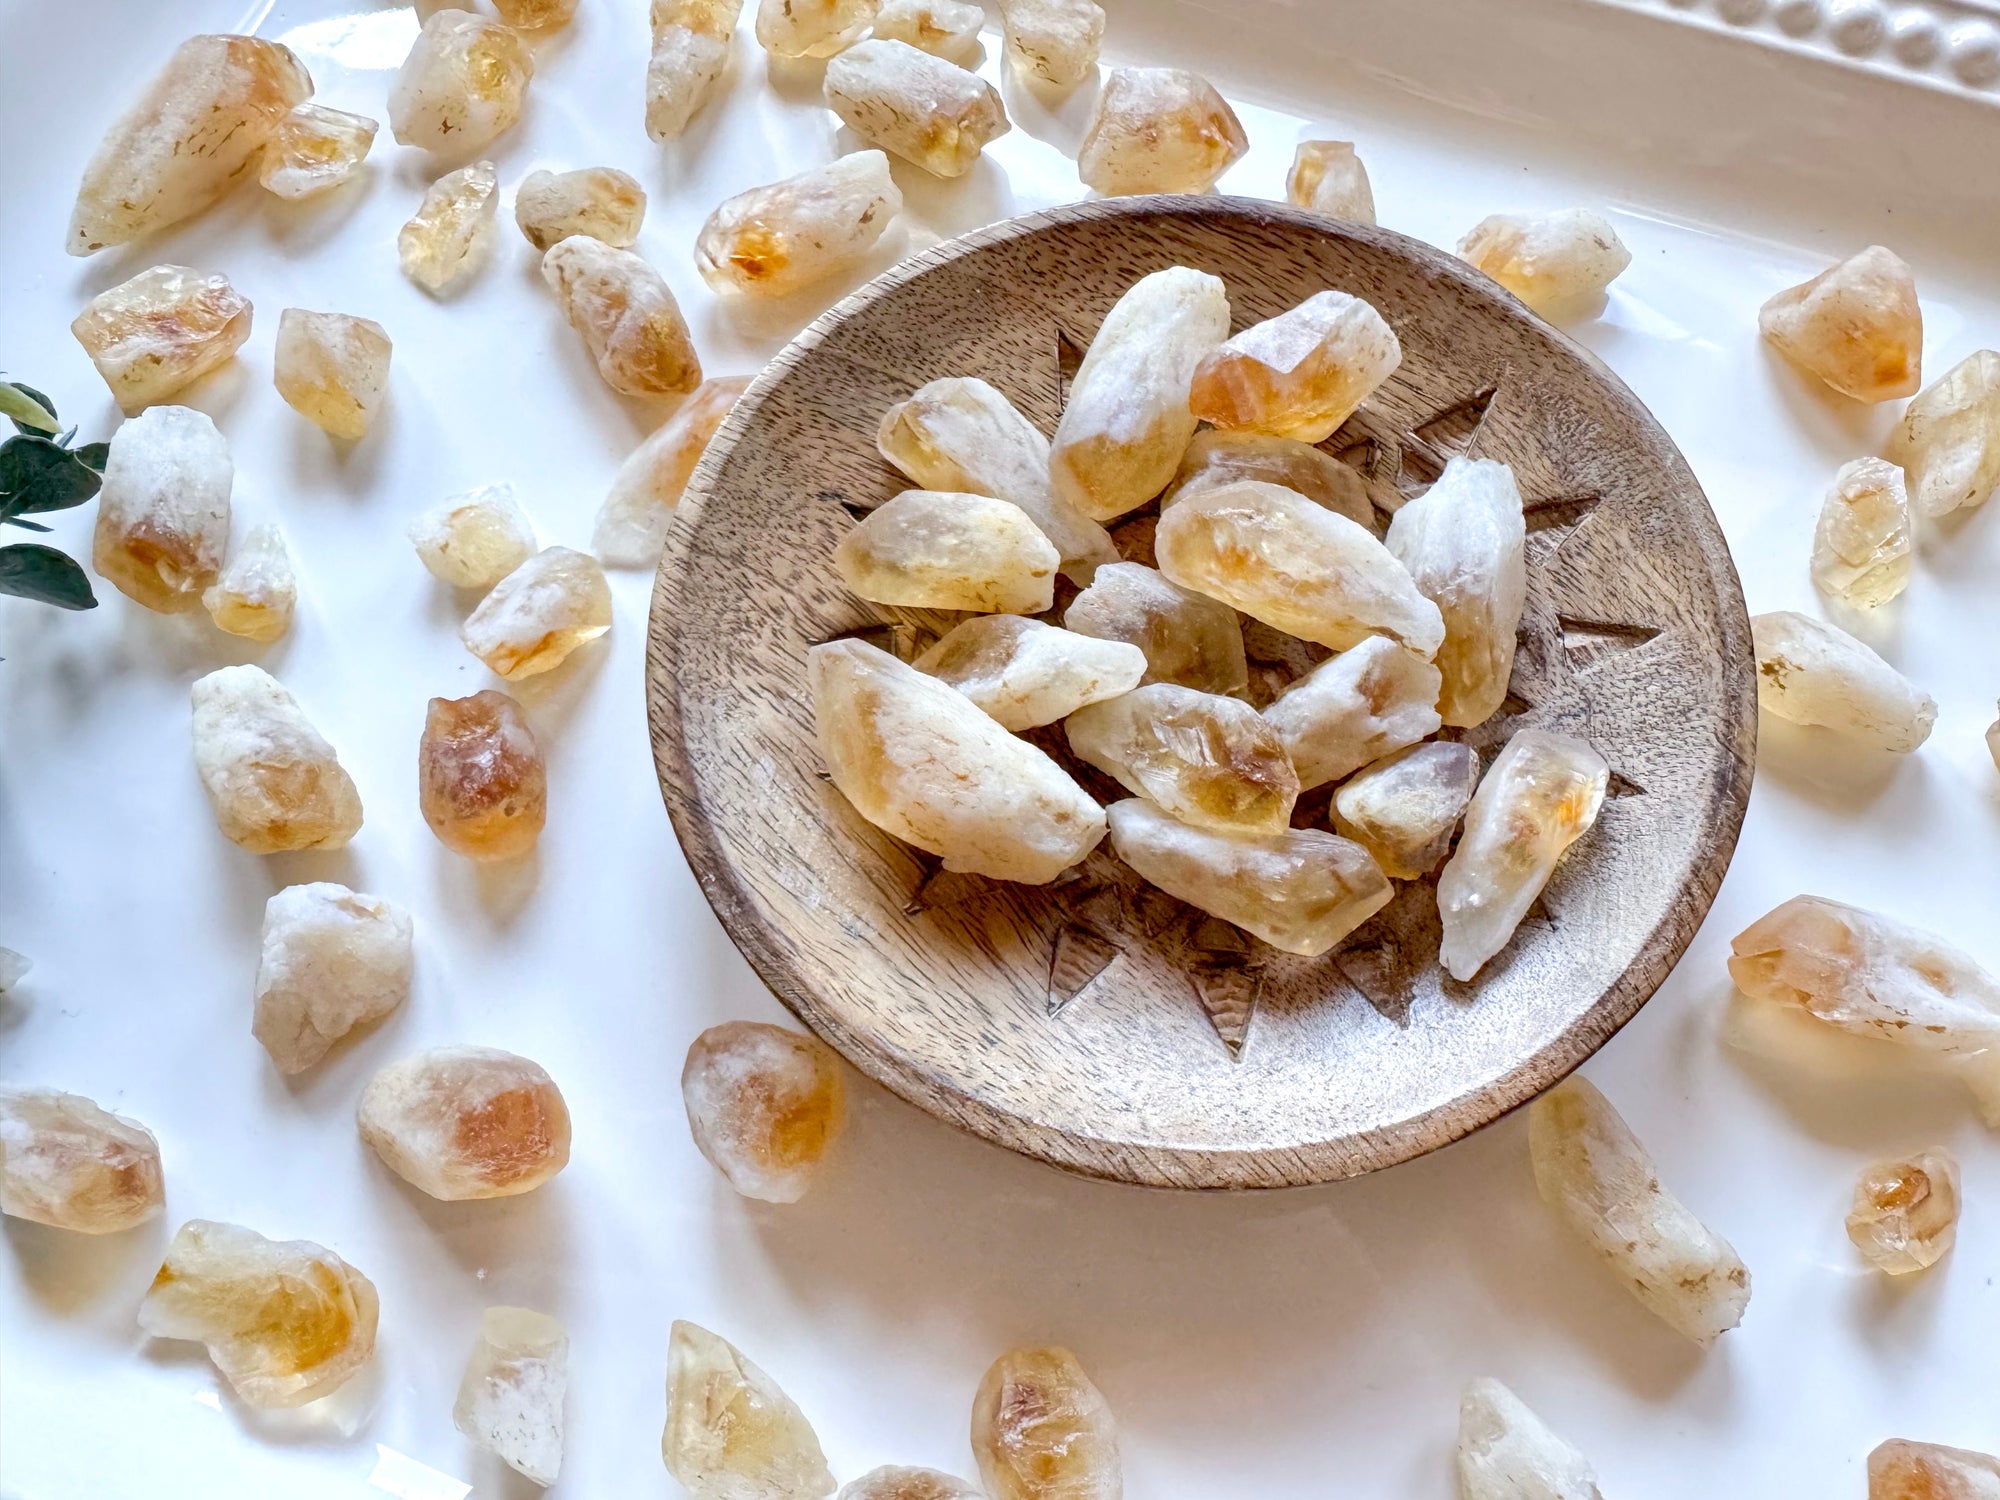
891 1482
602 202
920 761
163 511
1214 459
1053 41
1025 673
1949 439
314 149
1558 263
332 369
446 239
466 1122
943 28
1187 637
691 42
1042 1431
1905 1214
1857 326
1209 761
812 28
257 590
731 1433
461 86
1902 1470
1404 808
1127 422
926 110
1506 1452
1814 673
1540 795
331 960
1592 1171
1861 545
764 1105
474 540
626 315
632 524
1328 177
160 331
775 239
935 549
1354 708
1300 374
1158 130
538 614
69 1164
510 1400
272 780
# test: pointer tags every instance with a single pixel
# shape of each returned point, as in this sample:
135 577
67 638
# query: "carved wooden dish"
1098 1024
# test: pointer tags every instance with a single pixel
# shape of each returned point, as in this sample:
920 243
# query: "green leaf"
25 525
27 408
31 571
37 475
93 456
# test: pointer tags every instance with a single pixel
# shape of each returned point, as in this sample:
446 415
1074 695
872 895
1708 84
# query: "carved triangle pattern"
1078 956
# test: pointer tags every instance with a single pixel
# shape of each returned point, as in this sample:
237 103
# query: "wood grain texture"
1097 1024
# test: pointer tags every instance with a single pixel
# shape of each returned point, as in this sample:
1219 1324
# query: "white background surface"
1293 1345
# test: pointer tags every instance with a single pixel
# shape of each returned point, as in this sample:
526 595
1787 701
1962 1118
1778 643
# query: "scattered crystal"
446 238
1328 177
601 202
627 316
313 149
160 331
1210 761
197 130
691 42
1301 890
536 15
934 549
943 28
1905 1213
1592 1171
67 1163
928 111
1300 374
480 777
1355 708
1540 795
1856 326
331 960
274 782
1506 1452
466 1122
922 762
763 1104
285 1321
1127 423
893 1483
1053 40
1188 638
332 369
1214 459
1949 439
538 614
510 1400
1404 808
775 239
1901 1470
633 522
1558 263
731 1434
257 589
474 540
1042 1431
812 28
163 511
1025 673
14 968
1158 130
1813 673
462 85
1861 546
1294 565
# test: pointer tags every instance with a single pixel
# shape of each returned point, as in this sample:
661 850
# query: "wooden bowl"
1099 1025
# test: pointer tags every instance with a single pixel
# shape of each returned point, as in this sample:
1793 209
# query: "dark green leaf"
35 413
37 475
25 525
31 571
93 456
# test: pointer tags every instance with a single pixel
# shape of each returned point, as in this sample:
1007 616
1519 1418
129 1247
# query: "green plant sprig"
41 472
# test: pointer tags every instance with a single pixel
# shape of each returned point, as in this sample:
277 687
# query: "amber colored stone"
1300 374
1210 761
67 1163
481 780
1042 1431
163 512
538 614
1902 1470
1857 326
943 28
764 1104
446 239
1025 673
691 45
1054 42
466 1122
1188 638
1949 439
273 781
773 240
1811 672
930 112
1404 808
1861 544
930 549
329 960
1214 459
602 202
1905 1214
1328 177
626 315
256 591
1158 130
332 369
811 28
632 524
1558 263
1506 1452
160 331
462 84
474 540
731 1433
314 149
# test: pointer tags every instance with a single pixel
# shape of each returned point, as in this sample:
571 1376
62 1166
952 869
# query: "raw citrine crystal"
466 1122
163 511
1404 808
330 960
602 202
538 614
1905 1213
510 1400
891 1482
1300 374
1506 1452
943 28
332 369
67 1163
1188 638
273 781
811 28
1814 673
1558 263
160 331
691 42
928 111
536 15
1210 761
1328 177
1214 459
1902 1470
1042 1431
1949 439
1025 673
481 780
1052 41
1158 130
1861 546
474 540
257 590
731 1433
931 549
764 1104
1856 326
632 523
462 84
314 149
778 238
1354 708
627 316
445 240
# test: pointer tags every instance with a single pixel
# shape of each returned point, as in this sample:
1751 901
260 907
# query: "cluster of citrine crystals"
812 28
632 524
1301 890
1328 177
1506 1452
1541 794
67 1163
462 84
626 315
1404 808
1356 707
445 240
1187 637
1300 374
481 780
731 1433
536 15
1856 326
332 369
691 42
1811 672
601 202
1902 1470
538 614
274 783
1127 423
510 1399
314 149
330 960
255 593
1214 459
193 135
893 1482
163 511
1294 565
1158 130
160 331
943 28
928 111
932 549
921 762
1558 263
474 540
1026 674
764 1105
1905 1213
466 1122
1209 761
786 235
1042 1431
1861 546
1949 439
285 1321
1052 41
1597 1178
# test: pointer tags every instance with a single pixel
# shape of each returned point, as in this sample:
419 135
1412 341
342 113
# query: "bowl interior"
1101 1026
